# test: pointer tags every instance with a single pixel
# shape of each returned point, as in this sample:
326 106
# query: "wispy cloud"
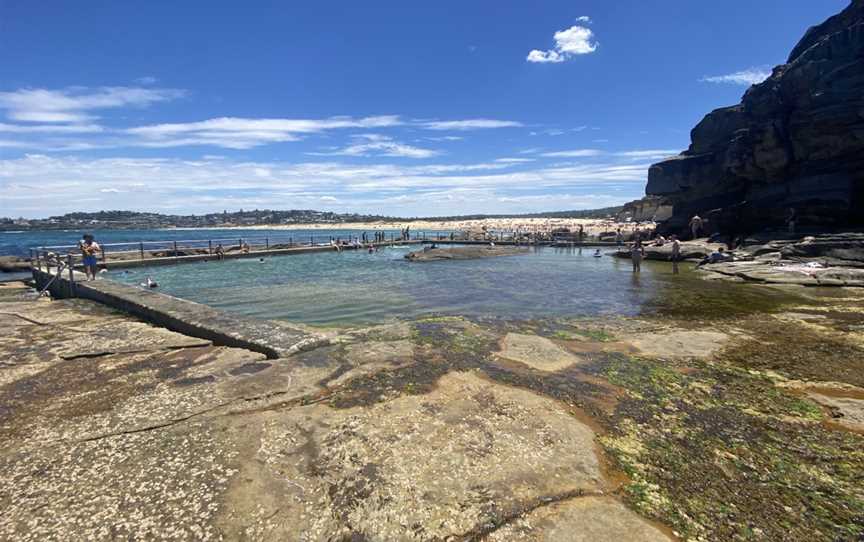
379 145
576 153
41 116
446 138
469 124
639 154
550 132
515 160
576 40
650 154
750 76
246 133
75 183
76 104
51 128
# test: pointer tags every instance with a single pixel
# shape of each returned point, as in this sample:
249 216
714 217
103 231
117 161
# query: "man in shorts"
89 250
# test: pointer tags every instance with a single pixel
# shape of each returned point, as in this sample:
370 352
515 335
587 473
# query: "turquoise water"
354 287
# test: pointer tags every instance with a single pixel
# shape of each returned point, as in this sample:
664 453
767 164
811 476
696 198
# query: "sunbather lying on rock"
719 255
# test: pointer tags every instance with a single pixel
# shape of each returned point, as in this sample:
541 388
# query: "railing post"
267 243
71 274
175 250
210 247
39 259
141 249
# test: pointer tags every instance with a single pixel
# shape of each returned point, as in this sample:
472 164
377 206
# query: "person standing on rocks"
696 226
89 249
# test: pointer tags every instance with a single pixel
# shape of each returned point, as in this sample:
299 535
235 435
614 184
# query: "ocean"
19 243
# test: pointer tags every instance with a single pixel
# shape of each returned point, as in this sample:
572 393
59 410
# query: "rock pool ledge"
273 339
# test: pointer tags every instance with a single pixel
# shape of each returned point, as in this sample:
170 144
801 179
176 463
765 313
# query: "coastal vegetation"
126 220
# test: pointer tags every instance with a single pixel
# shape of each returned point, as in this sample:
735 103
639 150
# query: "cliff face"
795 141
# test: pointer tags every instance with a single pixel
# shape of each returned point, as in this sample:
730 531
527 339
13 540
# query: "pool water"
355 287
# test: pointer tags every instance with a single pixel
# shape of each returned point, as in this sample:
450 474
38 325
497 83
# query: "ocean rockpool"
355 287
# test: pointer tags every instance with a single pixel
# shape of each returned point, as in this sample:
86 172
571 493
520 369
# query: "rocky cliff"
796 141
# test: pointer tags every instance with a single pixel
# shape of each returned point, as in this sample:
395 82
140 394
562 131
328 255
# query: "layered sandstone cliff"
796 141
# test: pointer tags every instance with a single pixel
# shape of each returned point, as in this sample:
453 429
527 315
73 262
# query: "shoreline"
503 224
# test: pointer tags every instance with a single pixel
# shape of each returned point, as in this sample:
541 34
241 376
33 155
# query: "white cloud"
147 80
245 133
446 138
46 120
51 128
469 124
651 154
379 145
545 56
176 185
648 154
576 40
583 19
514 160
74 104
550 132
577 153
52 145
750 76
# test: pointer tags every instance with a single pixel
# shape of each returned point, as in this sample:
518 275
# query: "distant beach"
592 226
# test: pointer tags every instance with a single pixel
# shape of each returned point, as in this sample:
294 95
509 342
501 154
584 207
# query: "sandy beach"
592 226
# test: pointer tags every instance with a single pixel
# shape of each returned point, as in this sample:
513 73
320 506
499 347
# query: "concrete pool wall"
273 339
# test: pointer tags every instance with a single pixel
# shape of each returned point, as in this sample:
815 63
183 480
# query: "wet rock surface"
689 250
816 260
537 352
697 428
580 520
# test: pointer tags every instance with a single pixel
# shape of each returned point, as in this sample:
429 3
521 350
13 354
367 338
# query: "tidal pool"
355 287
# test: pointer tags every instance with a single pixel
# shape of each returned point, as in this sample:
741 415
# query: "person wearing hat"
89 249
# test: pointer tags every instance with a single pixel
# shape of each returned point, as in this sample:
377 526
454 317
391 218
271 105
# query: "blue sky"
399 108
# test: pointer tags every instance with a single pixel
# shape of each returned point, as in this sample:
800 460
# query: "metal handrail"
231 244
